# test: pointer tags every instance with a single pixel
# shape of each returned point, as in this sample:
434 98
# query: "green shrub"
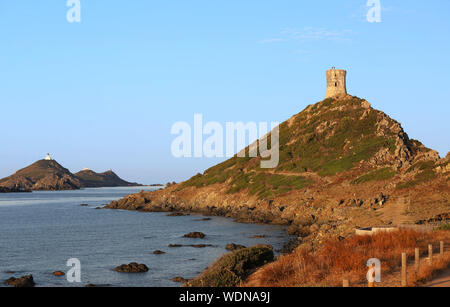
233 268
266 185
421 177
444 227
377 175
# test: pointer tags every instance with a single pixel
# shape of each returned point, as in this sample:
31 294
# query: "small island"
48 175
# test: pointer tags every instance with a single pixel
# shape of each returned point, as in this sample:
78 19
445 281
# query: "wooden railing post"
430 254
404 281
417 259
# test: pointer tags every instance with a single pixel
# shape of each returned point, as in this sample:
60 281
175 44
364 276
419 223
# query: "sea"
41 231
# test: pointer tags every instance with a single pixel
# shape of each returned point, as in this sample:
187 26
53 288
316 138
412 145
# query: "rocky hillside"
92 179
42 175
342 164
49 175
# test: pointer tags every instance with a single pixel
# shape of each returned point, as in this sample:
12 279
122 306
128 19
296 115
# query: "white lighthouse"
48 158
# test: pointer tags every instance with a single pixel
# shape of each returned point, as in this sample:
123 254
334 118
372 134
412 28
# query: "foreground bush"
338 260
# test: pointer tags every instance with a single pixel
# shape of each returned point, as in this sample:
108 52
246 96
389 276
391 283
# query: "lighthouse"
48 158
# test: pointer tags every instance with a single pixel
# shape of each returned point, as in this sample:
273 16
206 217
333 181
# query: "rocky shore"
311 216
233 268
21 282
13 190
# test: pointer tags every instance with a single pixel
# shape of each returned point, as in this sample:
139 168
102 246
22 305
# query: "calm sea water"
40 231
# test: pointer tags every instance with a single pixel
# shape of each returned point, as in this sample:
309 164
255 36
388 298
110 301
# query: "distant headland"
49 175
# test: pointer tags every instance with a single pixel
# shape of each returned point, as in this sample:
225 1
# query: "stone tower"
336 84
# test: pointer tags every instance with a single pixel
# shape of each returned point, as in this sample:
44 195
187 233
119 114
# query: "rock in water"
200 245
198 235
179 279
233 247
158 252
132 267
59 273
177 214
175 245
21 282
233 268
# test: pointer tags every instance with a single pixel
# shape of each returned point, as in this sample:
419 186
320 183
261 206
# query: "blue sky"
105 92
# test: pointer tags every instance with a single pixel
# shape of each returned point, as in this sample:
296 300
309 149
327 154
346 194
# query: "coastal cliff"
343 164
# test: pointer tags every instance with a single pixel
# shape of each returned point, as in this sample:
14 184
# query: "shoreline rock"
179 279
14 190
233 268
234 247
21 282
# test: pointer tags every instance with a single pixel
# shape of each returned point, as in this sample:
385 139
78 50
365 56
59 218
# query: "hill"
92 179
42 175
343 164
49 175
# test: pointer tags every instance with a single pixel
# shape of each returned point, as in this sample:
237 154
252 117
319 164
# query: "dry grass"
338 260
427 272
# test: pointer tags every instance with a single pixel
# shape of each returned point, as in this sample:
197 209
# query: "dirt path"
442 280
395 212
311 175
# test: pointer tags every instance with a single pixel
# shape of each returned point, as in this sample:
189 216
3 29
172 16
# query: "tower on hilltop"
336 83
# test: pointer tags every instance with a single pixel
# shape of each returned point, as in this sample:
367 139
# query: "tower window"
336 84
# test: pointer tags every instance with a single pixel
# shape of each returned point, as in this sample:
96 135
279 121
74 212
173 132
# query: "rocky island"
91 179
49 175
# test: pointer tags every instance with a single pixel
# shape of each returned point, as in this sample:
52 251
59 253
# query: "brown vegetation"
338 260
